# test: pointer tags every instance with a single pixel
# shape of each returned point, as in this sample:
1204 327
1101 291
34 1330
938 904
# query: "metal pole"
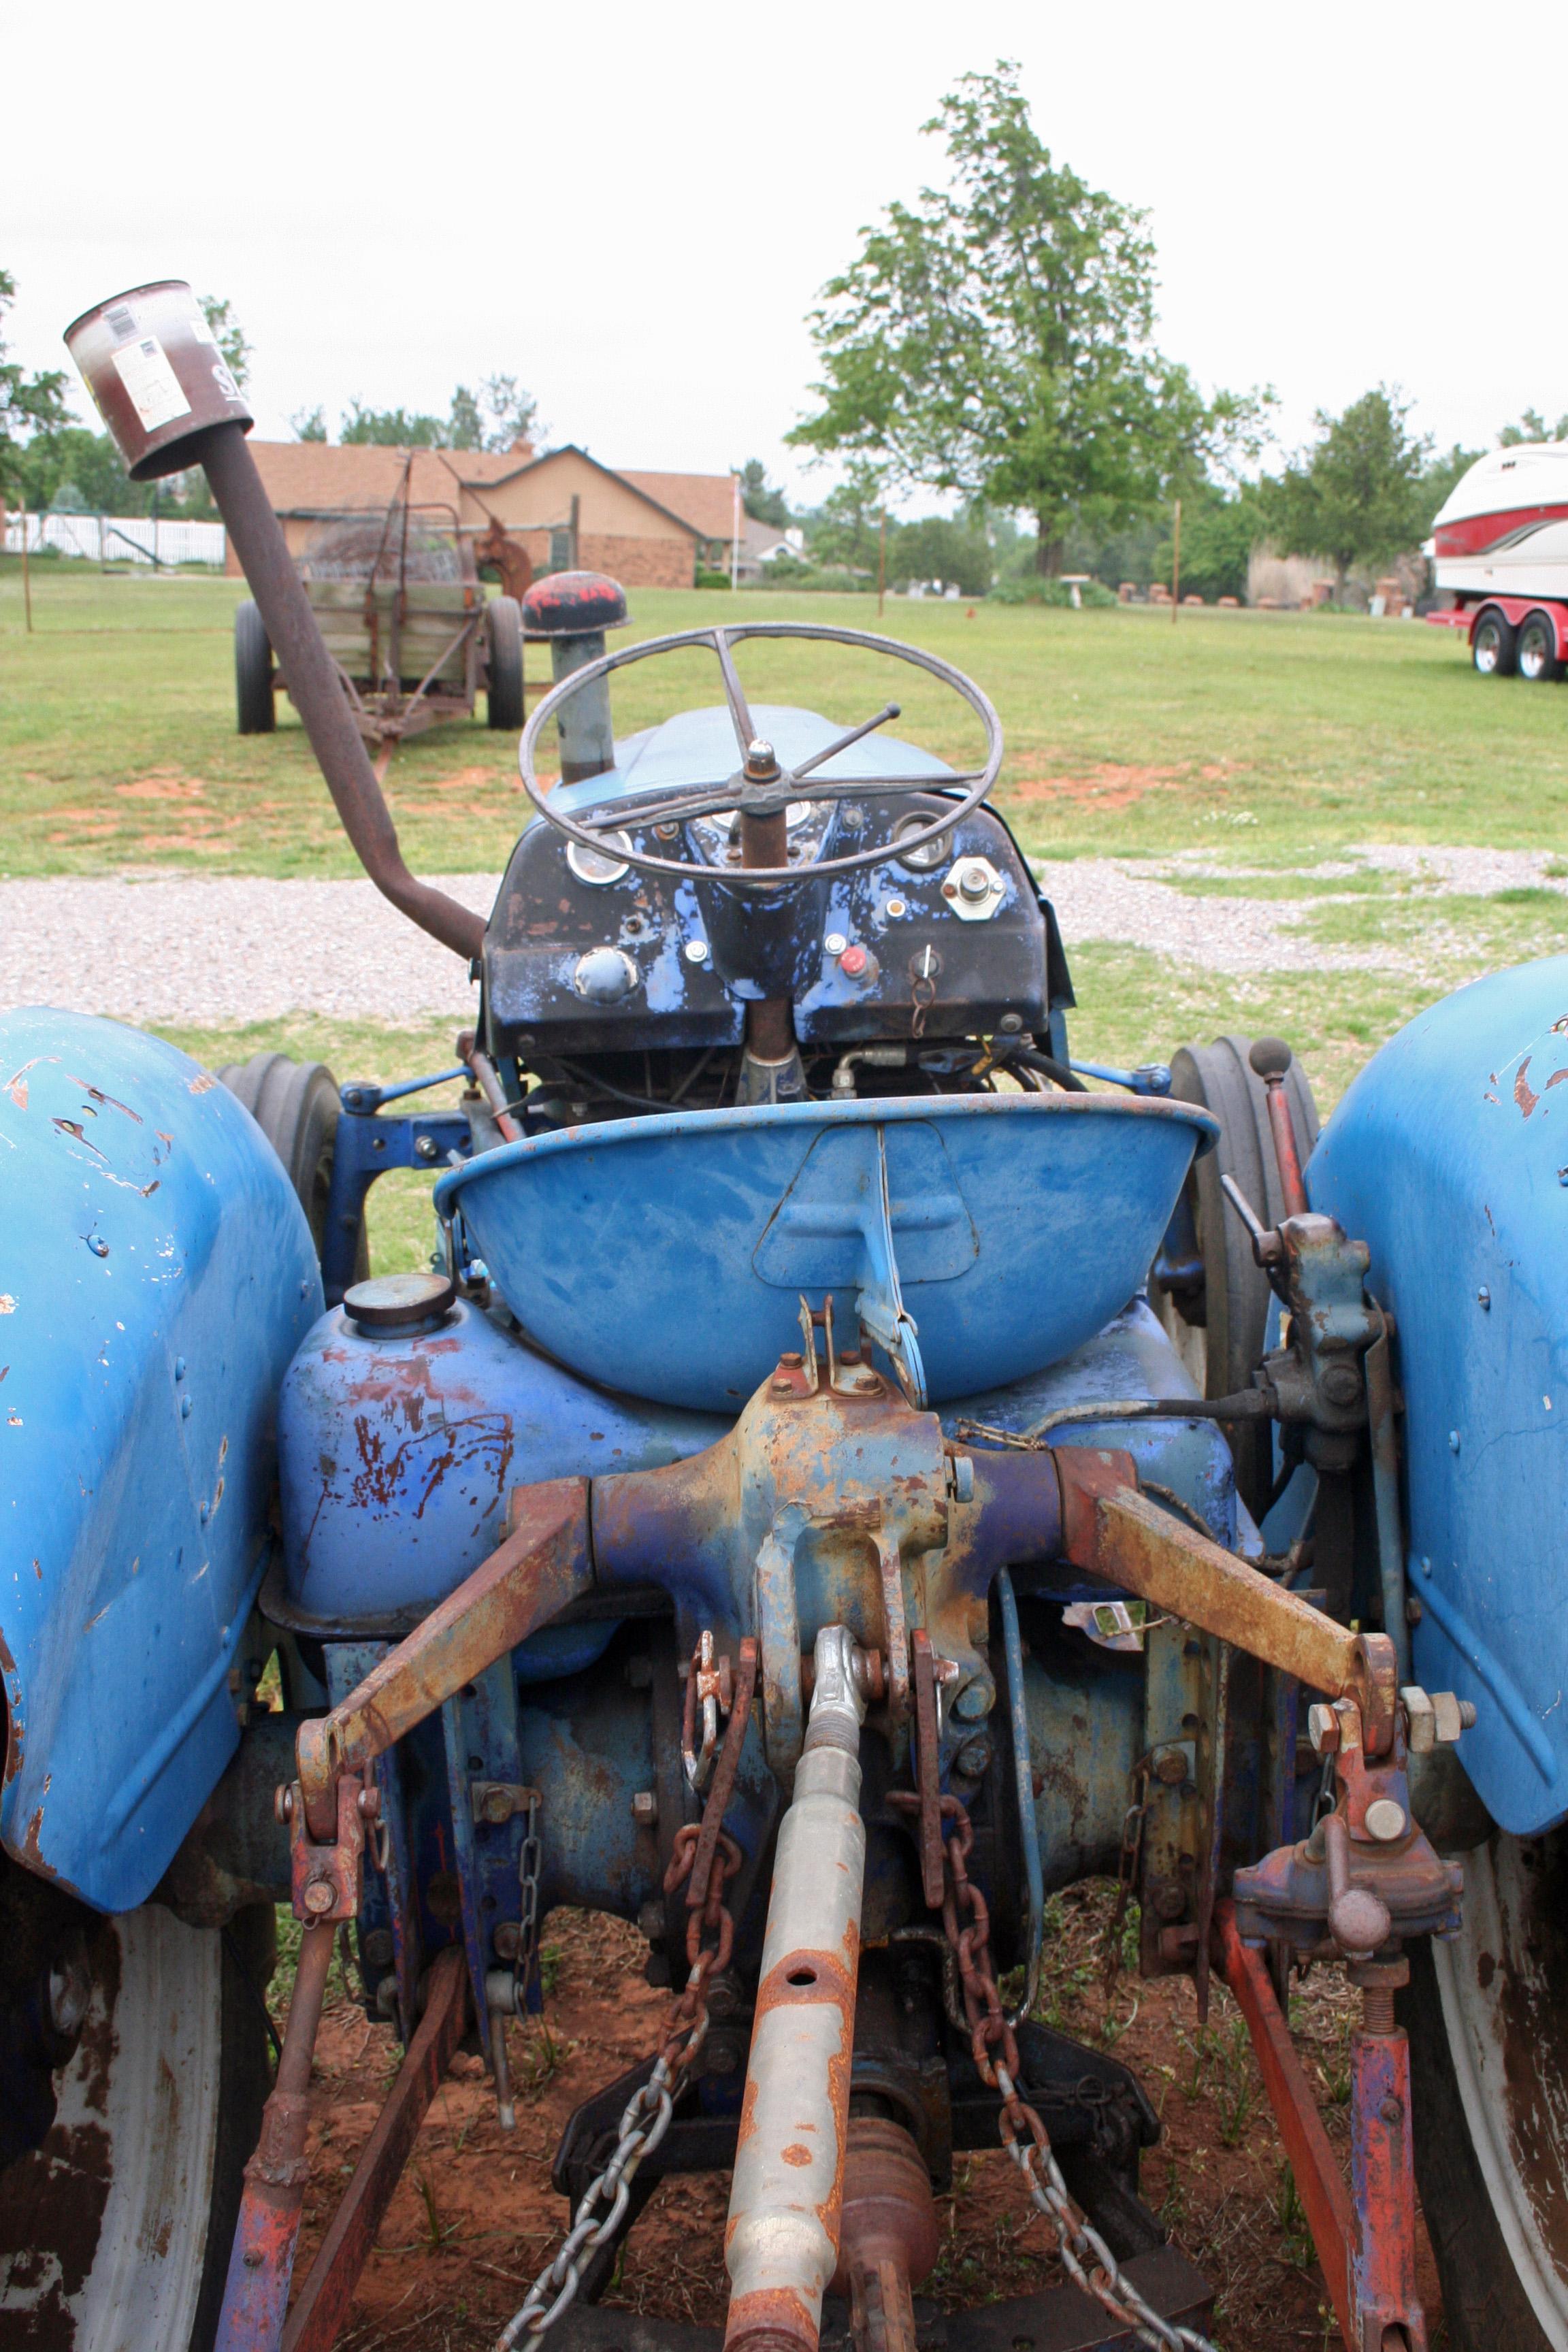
1176 567
881 562
315 684
735 535
27 576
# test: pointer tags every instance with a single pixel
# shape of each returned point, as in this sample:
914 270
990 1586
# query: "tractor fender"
156 1274
1448 1157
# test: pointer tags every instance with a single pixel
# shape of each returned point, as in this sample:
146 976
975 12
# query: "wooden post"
1177 566
27 576
735 511
881 562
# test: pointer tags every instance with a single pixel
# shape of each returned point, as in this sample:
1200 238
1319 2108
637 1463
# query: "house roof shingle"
705 501
322 476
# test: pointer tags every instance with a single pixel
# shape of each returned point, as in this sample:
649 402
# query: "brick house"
647 530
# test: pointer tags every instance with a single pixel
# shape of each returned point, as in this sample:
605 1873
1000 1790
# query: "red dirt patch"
474 2217
162 784
1111 785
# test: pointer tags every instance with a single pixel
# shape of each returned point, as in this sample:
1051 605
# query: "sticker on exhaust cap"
156 392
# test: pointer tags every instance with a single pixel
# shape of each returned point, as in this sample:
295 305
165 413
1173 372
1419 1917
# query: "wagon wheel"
117 2230
296 1106
1211 1295
255 689
1487 2019
503 662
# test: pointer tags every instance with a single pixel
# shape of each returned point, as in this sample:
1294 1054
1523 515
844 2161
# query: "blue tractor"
839 1480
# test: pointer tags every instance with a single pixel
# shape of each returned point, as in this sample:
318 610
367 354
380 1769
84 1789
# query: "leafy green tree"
846 527
997 337
234 345
29 404
309 424
1532 427
958 553
88 463
761 500
1219 532
1359 495
393 428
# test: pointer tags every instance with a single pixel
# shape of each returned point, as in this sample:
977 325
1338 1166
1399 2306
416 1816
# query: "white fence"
119 539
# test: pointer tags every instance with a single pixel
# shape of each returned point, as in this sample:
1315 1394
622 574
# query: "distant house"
762 543
649 531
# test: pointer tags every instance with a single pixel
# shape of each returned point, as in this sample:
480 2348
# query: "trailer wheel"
503 662
254 693
1536 652
1494 643
296 1106
1215 1304
117 2231
1488 2020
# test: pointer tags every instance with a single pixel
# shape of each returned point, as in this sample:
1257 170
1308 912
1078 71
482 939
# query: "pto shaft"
782 2241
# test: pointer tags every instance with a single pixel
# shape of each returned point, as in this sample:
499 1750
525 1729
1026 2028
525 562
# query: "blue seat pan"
667 1256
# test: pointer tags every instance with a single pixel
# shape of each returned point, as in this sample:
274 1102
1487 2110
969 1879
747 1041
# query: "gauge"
928 854
598 866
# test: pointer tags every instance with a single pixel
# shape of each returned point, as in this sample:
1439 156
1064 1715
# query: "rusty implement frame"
324 2299
1366 2248
1121 1536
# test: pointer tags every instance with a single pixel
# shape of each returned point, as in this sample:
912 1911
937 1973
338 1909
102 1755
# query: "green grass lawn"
1274 737
1263 741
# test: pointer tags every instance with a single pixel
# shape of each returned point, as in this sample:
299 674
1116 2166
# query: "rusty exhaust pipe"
161 386
781 2244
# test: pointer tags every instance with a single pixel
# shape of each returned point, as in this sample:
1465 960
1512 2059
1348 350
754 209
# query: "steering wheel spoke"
734 693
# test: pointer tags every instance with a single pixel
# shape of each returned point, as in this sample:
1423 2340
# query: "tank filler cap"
400 1302
573 605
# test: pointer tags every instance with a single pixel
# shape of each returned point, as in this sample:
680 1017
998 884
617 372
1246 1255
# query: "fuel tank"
1449 1158
398 1452
156 1275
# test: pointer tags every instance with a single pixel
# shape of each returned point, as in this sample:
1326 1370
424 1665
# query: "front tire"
1494 645
296 1106
255 691
116 2233
1487 2019
1536 652
1217 1322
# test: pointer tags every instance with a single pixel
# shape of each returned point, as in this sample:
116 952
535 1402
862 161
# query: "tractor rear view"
837 1481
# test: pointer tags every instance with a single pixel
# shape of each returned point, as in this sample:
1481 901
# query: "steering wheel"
763 787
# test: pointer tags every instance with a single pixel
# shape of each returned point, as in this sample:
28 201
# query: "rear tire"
117 2232
256 697
1494 643
296 1106
1536 652
1487 2019
503 662
1218 1327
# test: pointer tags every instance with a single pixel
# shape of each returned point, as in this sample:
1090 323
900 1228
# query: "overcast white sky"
632 209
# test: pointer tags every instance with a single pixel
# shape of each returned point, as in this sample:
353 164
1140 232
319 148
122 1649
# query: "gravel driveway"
197 948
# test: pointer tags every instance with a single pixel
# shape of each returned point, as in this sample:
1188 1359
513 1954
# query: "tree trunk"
1048 550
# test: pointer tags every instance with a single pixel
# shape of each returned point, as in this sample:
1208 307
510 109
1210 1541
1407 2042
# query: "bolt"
498 1807
1323 1729
1341 1384
508 1939
1384 1820
974 882
1453 1440
424 1147
1392 2110
283 1804
976 1700
320 1898
645 1809
252 2258
184 1408
974 1758
1484 1298
369 1803
782 1385
1010 1024
835 943
695 951
1170 1767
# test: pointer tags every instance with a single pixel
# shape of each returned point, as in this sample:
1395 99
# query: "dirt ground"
475 2218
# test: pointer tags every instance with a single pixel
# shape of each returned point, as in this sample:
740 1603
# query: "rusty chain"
1087 2259
709 1939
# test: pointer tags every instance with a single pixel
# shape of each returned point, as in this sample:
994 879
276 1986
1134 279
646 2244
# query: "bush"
711 579
834 579
1056 594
